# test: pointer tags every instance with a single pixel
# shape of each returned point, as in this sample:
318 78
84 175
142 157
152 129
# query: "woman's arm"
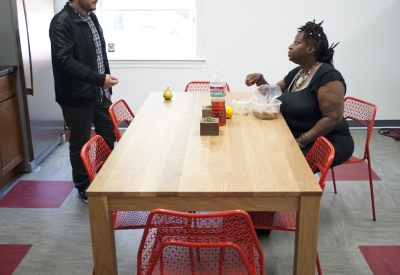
282 85
259 80
331 104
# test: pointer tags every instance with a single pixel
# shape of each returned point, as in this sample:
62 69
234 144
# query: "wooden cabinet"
11 148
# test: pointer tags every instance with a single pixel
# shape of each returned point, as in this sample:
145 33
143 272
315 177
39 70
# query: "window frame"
185 63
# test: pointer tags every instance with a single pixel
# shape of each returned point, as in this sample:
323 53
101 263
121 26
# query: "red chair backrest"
321 156
178 243
93 155
363 112
120 112
201 86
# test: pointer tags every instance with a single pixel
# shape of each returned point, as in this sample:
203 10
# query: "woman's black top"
301 111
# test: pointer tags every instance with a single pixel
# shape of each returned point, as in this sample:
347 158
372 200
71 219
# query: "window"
151 29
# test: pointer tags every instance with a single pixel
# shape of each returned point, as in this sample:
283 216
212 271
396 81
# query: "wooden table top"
163 154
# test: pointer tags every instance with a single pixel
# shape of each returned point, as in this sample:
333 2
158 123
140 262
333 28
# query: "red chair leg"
319 265
371 186
334 181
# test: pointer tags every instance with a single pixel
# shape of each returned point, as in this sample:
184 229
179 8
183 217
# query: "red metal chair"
120 112
364 113
201 86
94 154
212 243
320 156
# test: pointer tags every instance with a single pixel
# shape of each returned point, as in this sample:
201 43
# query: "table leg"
306 235
103 241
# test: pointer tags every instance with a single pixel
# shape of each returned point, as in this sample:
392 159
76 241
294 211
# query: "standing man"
82 80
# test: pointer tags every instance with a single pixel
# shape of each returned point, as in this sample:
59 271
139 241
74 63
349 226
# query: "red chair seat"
353 159
282 220
130 219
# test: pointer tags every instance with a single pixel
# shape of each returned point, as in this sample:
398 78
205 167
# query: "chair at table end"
201 86
179 243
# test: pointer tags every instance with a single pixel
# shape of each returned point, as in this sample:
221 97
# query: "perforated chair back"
120 113
212 243
93 155
363 112
320 157
201 86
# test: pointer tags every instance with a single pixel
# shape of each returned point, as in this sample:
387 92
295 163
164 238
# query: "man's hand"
110 81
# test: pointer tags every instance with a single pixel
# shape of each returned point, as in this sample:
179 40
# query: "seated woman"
313 93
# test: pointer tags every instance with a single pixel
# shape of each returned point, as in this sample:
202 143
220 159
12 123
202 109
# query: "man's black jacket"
74 59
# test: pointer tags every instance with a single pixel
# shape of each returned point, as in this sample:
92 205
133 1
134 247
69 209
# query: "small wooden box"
209 126
206 111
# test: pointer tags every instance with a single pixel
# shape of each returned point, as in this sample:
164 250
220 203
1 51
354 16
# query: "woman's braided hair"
314 33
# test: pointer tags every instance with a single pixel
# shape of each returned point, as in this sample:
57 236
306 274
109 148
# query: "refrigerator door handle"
25 46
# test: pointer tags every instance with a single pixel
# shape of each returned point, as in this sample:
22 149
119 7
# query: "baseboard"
7 177
393 123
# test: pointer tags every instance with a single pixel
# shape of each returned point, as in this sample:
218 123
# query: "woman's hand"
258 79
255 78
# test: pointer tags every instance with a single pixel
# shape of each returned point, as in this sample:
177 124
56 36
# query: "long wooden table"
163 162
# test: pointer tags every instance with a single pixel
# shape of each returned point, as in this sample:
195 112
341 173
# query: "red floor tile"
92 134
37 194
352 172
383 260
10 257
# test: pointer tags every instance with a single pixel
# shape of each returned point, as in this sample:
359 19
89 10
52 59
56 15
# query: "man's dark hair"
314 33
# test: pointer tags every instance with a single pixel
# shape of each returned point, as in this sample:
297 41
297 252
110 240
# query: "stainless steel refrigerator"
24 41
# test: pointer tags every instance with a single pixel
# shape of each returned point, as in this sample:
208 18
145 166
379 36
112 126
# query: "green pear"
167 94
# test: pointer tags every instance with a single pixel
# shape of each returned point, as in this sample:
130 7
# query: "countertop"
4 70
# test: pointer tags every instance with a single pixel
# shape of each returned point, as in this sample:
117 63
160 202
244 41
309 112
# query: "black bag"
393 133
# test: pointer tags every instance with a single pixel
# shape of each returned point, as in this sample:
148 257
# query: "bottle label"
218 91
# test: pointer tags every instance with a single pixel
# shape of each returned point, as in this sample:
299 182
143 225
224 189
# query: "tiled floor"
45 226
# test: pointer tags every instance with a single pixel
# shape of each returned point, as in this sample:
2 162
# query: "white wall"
58 5
242 37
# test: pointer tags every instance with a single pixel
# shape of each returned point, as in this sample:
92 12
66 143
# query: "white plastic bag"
266 94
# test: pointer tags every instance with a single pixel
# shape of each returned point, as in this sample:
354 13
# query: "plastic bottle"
217 86
218 92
